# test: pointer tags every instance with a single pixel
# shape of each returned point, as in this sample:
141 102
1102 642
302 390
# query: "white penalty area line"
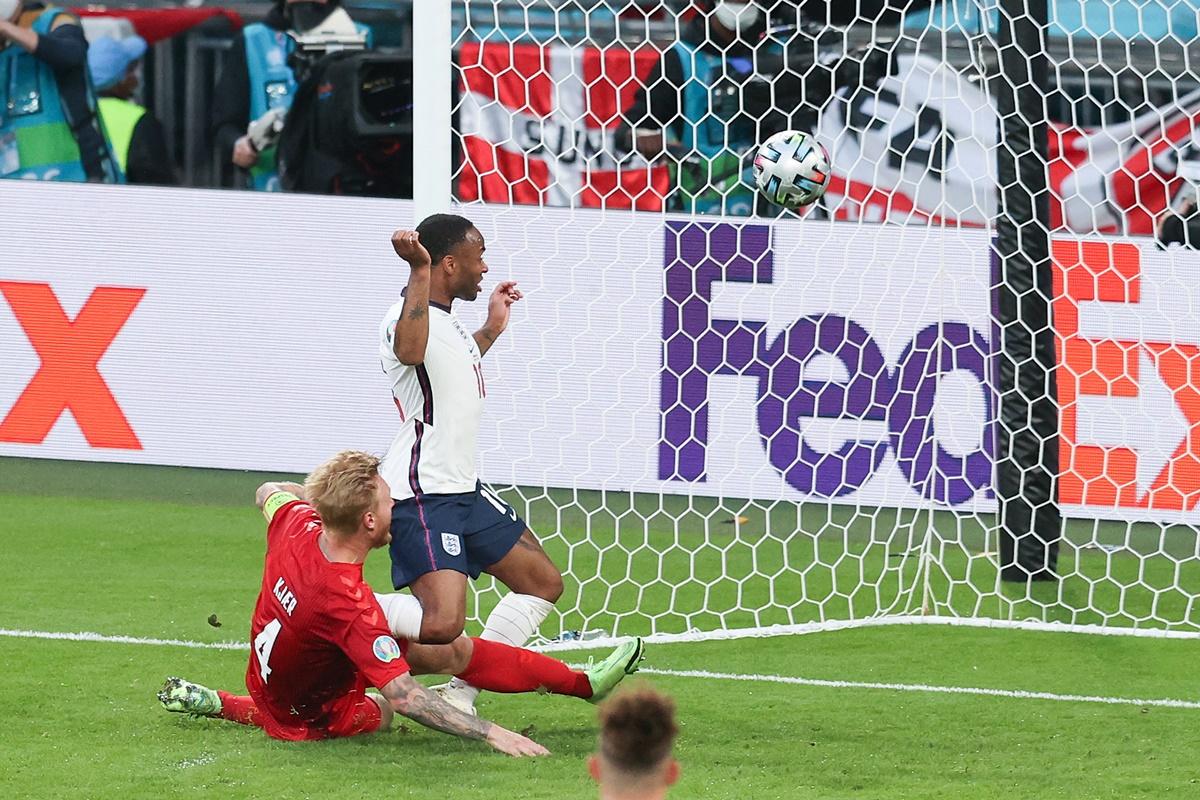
680 673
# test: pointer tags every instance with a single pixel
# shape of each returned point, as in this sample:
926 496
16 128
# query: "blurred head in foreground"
637 735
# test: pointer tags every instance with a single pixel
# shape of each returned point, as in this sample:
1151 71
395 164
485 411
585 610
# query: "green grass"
153 552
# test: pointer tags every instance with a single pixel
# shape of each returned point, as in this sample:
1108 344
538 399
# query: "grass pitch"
153 552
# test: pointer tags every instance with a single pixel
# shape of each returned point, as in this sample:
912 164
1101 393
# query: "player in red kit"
320 637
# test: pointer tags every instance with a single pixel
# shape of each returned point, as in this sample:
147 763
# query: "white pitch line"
921 687
87 636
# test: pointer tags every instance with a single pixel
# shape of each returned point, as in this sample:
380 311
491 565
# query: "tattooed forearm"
484 339
416 312
421 705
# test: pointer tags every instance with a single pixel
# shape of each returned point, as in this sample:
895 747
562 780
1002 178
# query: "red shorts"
351 714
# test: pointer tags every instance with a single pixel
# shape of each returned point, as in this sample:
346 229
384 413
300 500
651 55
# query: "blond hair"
343 489
637 731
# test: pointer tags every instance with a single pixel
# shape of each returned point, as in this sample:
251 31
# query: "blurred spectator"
49 126
637 736
1180 223
257 79
673 115
137 137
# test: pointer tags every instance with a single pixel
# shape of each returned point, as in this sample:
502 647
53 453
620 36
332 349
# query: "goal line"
921 688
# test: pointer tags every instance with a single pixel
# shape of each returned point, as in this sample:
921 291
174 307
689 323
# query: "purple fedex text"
696 346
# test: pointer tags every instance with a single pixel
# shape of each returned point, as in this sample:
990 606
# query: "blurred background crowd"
316 96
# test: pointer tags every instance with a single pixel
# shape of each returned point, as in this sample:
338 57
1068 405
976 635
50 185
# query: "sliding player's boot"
186 697
623 661
459 694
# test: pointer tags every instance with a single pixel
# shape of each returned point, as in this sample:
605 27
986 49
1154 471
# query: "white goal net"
721 417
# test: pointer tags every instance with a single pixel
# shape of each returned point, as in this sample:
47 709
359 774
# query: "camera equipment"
349 127
336 33
349 130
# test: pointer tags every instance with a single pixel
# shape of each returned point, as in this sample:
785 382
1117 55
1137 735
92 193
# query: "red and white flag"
921 147
538 122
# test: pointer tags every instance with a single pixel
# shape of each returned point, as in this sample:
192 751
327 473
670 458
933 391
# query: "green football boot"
186 697
623 661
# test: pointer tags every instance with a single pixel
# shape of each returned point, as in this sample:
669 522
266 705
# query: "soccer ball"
791 169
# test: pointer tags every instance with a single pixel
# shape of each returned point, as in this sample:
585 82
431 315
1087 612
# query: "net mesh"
719 415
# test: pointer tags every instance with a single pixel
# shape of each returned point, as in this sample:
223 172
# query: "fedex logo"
68 378
1129 378
900 397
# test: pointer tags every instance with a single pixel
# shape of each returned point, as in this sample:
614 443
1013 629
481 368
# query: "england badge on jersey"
451 543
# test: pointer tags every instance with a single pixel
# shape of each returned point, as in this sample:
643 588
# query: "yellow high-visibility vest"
120 118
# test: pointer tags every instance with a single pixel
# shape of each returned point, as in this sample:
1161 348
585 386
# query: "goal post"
966 369
1027 457
433 82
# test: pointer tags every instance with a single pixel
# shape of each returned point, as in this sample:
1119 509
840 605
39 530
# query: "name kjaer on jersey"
285 597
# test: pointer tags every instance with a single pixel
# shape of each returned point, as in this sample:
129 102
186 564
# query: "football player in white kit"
446 525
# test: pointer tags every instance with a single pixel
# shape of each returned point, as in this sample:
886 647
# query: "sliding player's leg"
498 667
353 714
185 697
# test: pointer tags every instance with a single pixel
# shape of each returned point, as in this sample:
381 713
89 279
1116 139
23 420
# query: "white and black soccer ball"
791 169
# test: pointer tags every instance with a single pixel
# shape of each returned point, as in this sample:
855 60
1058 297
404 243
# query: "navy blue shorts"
464 532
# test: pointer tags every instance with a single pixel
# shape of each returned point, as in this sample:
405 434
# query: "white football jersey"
440 402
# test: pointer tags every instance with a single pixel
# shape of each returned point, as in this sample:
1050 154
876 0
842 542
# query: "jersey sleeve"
371 647
288 515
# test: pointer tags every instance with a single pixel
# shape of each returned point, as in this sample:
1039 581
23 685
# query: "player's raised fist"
407 245
514 744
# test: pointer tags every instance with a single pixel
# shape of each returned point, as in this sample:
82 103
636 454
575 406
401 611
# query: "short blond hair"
637 731
343 489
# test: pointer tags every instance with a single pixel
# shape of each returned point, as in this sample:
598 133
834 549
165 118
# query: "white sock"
514 620
403 613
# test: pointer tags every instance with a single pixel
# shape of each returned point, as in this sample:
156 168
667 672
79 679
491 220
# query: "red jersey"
318 632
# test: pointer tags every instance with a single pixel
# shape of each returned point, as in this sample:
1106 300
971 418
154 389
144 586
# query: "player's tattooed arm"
414 701
411 334
411 699
485 338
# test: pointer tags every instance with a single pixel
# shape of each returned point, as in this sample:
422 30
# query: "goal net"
964 386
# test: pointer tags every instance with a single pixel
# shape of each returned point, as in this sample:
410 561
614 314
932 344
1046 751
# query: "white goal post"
726 420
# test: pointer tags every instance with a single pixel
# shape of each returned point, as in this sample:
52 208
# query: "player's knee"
550 586
459 657
441 629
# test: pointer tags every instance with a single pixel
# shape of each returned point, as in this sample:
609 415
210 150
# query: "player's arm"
412 328
62 49
275 494
411 699
499 306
